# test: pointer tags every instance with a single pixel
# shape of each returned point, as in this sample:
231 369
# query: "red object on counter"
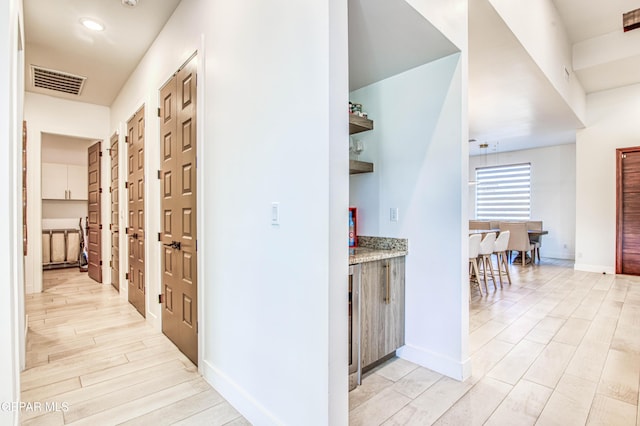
353 229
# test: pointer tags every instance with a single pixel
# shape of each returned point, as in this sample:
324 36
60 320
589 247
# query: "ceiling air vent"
631 20
59 81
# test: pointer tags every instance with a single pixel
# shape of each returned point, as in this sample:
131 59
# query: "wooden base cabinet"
382 308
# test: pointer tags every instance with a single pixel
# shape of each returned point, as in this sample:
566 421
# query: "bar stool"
500 250
486 250
474 251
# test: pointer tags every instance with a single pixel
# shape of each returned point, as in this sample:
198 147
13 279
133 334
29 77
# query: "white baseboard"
433 361
238 397
594 268
562 256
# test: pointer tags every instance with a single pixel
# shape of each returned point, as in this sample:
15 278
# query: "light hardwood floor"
557 347
92 359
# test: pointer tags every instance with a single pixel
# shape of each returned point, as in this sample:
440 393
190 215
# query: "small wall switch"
393 214
275 213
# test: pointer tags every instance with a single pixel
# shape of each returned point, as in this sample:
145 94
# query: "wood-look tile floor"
557 347
92 359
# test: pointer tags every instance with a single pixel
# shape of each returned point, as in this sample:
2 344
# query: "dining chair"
536 240
500 250
474 251
486 250
518 239
479 224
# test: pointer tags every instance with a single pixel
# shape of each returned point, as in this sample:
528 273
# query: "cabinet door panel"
54 181
382 308
394 310
372 312
77 183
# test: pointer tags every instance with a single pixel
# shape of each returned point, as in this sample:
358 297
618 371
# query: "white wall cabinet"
64 182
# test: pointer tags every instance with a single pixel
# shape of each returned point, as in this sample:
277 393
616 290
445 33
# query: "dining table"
531 232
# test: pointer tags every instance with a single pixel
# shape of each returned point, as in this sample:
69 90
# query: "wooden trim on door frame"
619 153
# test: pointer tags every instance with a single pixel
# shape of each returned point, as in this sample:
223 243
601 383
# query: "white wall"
272 315
12 324
553 192
65 150
448 16
538 27
45 114
419 152
612 123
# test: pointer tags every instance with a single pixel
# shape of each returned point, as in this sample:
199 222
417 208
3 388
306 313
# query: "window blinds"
503 192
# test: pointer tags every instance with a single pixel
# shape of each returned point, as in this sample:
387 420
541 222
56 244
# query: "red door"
628 211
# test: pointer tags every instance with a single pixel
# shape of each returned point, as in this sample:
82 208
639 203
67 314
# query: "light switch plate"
275 213
393 214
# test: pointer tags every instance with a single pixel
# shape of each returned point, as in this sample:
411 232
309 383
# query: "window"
503 192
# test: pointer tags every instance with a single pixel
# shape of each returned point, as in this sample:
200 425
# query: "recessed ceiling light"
129 3
92 24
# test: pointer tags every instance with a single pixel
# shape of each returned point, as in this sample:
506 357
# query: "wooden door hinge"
159 115
126 139
99 153
111 264
161 298
126 184
100 190
159 174
159 236
126 275
100 226
101 263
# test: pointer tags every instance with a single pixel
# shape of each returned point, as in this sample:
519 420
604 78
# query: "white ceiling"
387 37
585 20
511 103
55 39
598 24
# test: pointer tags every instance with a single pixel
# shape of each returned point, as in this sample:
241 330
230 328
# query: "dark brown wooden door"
115 231
628 211
94 223
135 197
178 195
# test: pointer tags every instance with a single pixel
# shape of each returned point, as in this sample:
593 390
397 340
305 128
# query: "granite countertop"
377 248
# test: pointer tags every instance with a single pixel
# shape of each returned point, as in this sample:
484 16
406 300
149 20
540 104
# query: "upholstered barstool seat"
500 250
474 251
486 250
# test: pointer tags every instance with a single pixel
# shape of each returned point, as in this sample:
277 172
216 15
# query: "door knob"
174 245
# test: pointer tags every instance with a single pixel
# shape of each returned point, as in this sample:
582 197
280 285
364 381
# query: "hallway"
92 359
